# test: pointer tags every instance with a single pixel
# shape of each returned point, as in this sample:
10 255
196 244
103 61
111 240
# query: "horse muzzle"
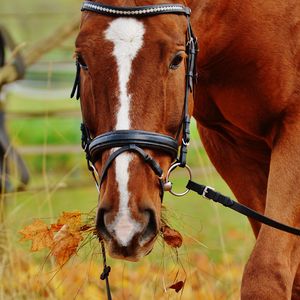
127 237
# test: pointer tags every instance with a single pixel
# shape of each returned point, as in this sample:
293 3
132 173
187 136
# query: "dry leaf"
56 227
40 235
66 244
72 219
172 237
177 286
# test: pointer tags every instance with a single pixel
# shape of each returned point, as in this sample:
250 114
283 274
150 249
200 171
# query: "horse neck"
212 25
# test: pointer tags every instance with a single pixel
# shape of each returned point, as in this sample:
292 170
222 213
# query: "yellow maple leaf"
72 219
40 235
63 238
65 244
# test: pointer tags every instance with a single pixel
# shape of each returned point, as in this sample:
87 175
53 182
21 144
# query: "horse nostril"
151 228
100 224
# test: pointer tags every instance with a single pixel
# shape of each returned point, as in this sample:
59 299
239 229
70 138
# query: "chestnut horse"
245 104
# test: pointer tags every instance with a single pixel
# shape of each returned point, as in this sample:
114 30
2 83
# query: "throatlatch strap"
210 194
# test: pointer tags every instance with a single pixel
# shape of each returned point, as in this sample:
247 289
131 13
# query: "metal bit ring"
172 168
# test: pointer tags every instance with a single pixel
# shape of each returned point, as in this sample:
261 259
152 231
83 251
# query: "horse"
132 76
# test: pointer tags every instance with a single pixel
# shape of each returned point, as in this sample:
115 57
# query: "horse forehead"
127 34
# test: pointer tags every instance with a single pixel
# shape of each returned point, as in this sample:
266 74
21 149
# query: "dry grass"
24 278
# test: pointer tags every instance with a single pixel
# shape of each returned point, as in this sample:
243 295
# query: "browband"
138 11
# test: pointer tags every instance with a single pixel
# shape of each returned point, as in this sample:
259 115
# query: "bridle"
137 140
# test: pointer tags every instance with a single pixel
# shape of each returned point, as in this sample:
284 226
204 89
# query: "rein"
137 140
210 194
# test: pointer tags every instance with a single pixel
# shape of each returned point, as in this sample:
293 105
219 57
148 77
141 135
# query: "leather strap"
106 271
135 11
131 148
76 85
210 194
143 139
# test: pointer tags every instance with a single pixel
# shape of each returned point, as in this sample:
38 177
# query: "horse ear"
2 50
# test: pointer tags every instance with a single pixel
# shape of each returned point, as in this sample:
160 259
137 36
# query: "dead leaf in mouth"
72 219
172 237
65 244
178 286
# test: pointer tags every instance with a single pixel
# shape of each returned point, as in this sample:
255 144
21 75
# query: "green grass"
24 103
52 131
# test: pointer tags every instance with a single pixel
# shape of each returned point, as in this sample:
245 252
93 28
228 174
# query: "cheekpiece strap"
136 11
76 85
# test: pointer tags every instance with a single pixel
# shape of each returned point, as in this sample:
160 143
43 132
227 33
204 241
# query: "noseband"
137 140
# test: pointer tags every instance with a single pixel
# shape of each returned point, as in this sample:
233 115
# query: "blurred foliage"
30 20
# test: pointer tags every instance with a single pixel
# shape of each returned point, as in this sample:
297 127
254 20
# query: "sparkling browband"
135 11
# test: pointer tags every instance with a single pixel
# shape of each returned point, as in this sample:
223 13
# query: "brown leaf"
56 227
177 286
66 244
40 235
172 237
72 219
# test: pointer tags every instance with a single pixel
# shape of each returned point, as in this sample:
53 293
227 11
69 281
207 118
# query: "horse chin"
131 253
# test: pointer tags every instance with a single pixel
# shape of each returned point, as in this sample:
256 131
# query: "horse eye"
177 60
81 62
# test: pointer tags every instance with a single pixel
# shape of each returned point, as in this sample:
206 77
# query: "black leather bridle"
137 140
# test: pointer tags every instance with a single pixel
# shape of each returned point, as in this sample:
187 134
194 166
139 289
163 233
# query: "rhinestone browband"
135 11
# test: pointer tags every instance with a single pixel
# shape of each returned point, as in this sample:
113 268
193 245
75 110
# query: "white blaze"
127 36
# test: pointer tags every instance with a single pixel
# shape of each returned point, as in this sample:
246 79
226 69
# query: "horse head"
132 64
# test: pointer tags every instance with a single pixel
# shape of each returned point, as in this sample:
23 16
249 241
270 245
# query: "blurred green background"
214 237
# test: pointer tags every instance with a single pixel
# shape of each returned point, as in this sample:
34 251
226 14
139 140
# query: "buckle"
185 143
206 190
